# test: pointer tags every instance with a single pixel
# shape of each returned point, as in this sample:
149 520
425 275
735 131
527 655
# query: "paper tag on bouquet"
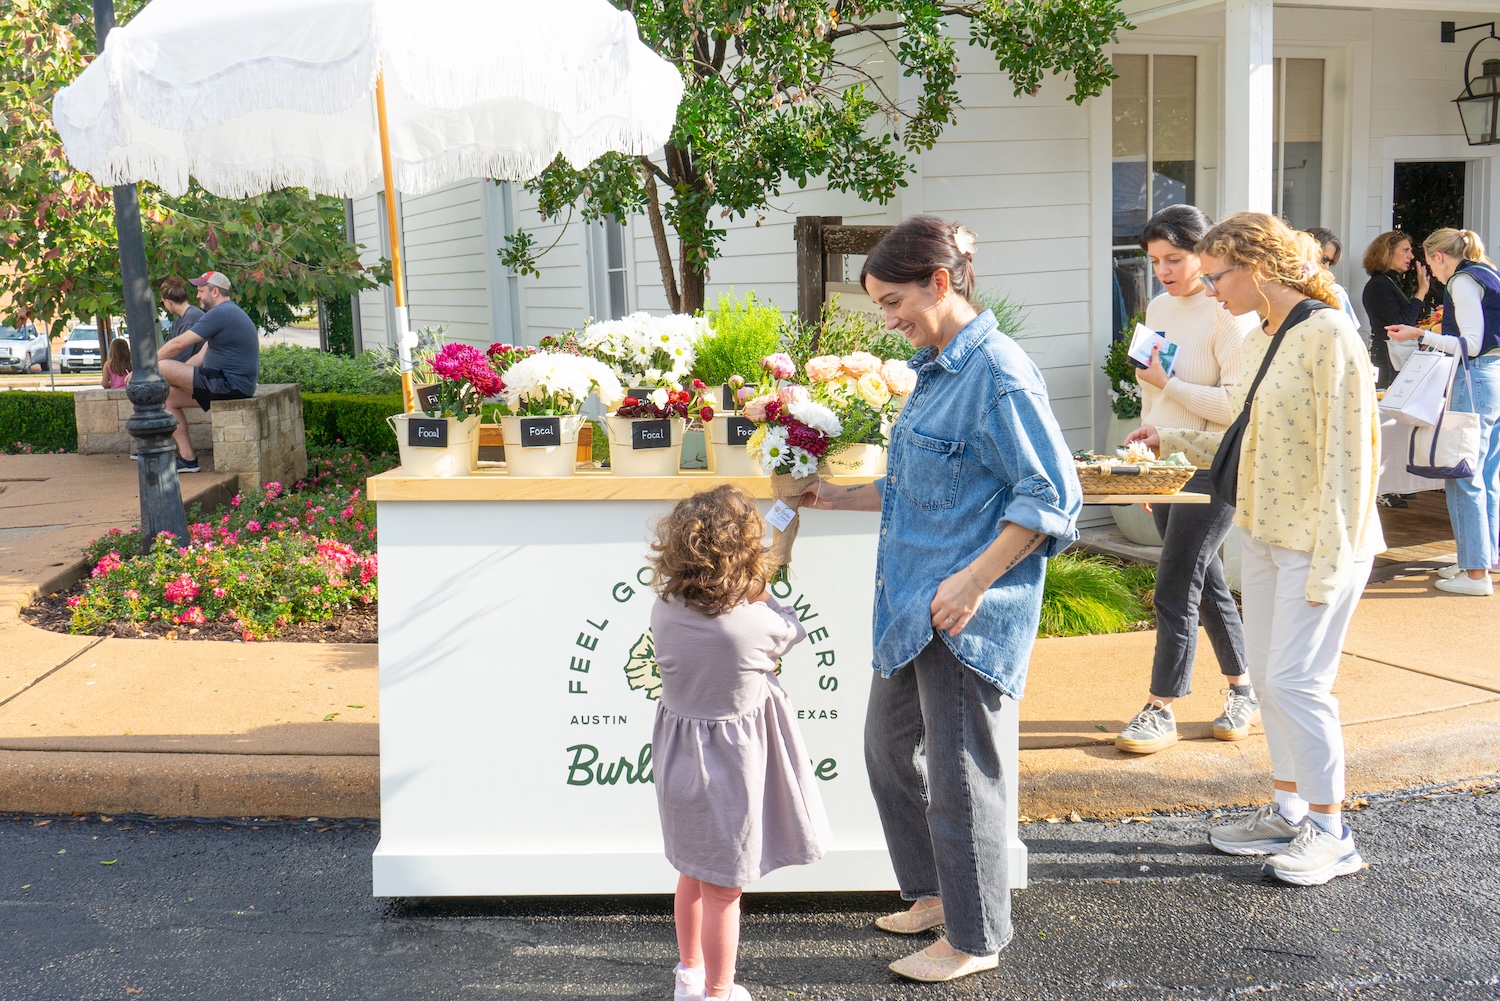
780 516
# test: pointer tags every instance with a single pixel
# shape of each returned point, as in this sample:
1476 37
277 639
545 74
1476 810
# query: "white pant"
1292 650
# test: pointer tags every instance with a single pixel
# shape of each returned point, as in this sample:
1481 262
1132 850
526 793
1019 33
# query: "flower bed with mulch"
275 563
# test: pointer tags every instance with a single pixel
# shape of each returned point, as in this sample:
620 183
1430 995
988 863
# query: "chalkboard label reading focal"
650 434
429 432
541 432
739 430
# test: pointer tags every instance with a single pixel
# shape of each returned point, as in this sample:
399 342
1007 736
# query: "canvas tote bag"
1418 394
1450 448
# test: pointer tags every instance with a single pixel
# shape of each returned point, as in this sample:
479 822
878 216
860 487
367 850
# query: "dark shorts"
209 384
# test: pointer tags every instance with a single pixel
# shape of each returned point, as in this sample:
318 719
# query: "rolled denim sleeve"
1028 453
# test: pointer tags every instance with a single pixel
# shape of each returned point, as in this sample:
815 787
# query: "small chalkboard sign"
640 392
427 432
739 431
540 432
427 397
650 434
728 403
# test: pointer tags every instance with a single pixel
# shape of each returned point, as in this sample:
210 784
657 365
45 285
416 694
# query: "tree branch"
659 237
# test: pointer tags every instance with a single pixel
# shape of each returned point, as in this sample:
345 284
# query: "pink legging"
708 931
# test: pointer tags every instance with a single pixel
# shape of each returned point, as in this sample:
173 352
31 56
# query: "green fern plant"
744 331
1089 595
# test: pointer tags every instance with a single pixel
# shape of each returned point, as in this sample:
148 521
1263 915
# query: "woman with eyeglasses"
1190 584
1305 511
1387 305
1471 315
1323 250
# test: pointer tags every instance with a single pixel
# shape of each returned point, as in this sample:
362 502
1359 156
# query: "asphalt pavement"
95 908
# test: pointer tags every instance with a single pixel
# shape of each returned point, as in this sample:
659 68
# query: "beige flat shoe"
927 969
911 922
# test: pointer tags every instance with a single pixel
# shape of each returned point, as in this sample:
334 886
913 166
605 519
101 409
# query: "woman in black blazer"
1386 305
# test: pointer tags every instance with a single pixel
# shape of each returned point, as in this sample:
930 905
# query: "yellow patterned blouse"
1310 463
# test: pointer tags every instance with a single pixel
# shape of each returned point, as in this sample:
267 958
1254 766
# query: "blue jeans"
1474 502
932 752
1190 588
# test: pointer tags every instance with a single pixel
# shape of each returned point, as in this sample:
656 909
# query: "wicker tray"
1134 479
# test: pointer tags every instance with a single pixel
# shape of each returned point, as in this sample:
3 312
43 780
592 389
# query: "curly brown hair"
708 551
1268 248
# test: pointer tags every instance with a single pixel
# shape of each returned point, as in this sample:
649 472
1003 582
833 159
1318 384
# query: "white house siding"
372 302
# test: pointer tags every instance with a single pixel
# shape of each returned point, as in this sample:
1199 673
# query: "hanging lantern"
1479 104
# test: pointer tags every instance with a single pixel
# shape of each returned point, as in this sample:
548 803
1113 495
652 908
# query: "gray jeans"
1190 588
931 749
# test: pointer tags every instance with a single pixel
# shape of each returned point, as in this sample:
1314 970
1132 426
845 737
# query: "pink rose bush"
271 558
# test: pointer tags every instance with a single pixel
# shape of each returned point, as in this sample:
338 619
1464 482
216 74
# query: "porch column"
1248 96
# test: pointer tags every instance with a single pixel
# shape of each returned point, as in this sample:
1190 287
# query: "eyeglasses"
1210 282
1327 262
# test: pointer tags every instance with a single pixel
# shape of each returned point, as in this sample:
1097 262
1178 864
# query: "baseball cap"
214 278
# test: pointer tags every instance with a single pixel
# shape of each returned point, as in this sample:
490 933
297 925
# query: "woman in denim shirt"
981 489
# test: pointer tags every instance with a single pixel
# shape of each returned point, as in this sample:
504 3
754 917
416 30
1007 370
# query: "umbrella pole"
398 279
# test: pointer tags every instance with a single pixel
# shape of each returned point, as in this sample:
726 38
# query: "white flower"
804 463
817 417
773 449
659 398
567 379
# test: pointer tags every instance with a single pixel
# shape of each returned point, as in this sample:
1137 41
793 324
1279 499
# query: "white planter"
858 460
1133 521
459 457
627 461
547 460
725 459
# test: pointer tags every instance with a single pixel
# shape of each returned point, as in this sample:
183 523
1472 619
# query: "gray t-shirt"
233 347
185 322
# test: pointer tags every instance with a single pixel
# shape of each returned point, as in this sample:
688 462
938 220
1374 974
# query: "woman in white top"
1471 312
1190 585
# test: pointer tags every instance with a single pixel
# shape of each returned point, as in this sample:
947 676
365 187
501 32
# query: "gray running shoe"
1240 713
1263 832
1314 857
1153 729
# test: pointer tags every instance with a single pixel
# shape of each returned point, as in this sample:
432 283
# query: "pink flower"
780 365
74 602
109 563
252 526
317 589
132 594
790 396
273 490
220 592
244 577
192 617
182 589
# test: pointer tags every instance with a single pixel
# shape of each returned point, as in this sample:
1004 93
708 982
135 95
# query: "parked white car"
24 346
80 352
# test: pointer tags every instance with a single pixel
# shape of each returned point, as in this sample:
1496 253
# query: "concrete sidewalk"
227 729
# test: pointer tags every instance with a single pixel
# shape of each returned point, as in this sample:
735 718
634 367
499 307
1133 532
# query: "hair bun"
965 240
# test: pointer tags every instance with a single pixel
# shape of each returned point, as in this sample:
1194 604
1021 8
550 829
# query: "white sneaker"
736 993
1449 572
1264 832
1314 857
689 983
1464 584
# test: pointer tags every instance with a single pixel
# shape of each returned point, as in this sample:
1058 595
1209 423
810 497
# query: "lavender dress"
734 785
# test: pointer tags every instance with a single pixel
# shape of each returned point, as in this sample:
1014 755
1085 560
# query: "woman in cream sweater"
1308 472
1190 585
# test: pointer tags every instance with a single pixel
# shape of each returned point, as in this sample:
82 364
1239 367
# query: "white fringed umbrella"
334 95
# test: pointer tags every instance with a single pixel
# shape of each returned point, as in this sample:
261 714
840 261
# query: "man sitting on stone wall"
226 369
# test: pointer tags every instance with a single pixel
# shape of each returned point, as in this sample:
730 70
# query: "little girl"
734 785
116 374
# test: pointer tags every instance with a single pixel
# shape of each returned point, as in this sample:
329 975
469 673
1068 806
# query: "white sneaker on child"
689 983
736 993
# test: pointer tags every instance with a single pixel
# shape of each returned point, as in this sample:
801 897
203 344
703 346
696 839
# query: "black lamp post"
151 425
1479 104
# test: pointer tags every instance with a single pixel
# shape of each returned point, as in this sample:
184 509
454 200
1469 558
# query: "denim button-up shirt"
976 447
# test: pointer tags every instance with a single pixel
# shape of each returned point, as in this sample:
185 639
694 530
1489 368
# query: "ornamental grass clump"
1087 595
270 558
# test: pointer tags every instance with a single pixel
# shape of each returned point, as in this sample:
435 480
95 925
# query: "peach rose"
755 409
824 367
792 395
860 363
898 376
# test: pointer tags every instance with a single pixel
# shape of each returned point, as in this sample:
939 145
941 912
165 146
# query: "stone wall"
261 439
